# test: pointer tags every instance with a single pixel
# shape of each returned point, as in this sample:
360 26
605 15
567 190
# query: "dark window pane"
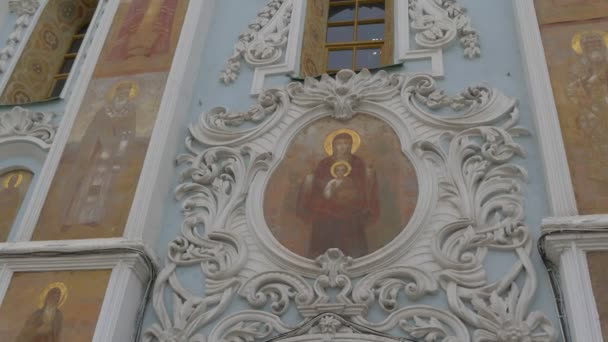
368 58
341 13
76 43
370 32
68 62
371 11
83 29
340 34
340 59
58 87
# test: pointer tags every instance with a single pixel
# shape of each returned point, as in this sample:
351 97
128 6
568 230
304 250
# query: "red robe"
340 221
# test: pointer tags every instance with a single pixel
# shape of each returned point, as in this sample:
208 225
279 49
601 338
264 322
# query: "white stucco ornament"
20 124
470 206
25 10
436 23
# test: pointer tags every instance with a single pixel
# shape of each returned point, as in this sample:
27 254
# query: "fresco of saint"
44 324
104 152
587 88
340 199
13 188
146 30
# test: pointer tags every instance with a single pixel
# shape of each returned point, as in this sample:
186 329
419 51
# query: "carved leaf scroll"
472 155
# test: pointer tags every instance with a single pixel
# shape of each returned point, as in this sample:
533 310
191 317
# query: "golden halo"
338 163
576 40
132 93
329 146
58 285
8 177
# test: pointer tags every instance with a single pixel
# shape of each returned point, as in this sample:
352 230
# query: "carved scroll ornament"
20 124
475 208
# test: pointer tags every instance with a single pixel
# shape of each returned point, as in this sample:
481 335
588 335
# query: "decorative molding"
553 154
438 22
470 205
278 31
20 124
264 41
26 11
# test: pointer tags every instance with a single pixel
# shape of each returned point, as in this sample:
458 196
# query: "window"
69 58
41 70
352 34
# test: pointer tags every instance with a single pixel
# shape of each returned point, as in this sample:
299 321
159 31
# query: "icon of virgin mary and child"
340 199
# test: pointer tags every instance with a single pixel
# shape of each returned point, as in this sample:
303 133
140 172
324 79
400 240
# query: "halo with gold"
133 92
338 163
577 39
9 177
329 141
57 285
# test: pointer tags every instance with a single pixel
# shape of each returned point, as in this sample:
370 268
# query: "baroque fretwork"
470 206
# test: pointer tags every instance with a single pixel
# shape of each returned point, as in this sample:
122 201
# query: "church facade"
303 170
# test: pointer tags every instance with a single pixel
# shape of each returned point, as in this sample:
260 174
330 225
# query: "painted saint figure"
588 89
44 325
146 30
13 188
103 151
340 199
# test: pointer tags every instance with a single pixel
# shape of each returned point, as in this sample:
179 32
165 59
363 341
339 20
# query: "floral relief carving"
24 124
264 41
25 10
438 22
475 205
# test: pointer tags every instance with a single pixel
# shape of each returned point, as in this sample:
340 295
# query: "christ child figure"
341 188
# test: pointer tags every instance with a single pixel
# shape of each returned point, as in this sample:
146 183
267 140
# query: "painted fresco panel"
52 306
42 57
357 200
13 189
554 11
95 183
577 56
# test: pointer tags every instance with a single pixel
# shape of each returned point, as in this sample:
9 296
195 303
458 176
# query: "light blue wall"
500 66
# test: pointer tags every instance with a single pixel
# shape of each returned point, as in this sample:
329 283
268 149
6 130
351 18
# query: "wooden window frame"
59 76
317 19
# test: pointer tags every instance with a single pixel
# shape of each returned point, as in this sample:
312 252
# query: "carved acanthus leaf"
24 9
344 93
438 22
477 194
22 123
478 105
263 43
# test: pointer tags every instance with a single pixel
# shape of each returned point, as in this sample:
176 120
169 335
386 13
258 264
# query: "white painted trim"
582 315
25 231
114 309
402 53
82 54
553 154
145 218
567 245
5 76
403 50
294 42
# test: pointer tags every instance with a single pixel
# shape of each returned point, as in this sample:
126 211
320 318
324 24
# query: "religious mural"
577 56
557 11
43 56
52 306
346 186
100 167
13 189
